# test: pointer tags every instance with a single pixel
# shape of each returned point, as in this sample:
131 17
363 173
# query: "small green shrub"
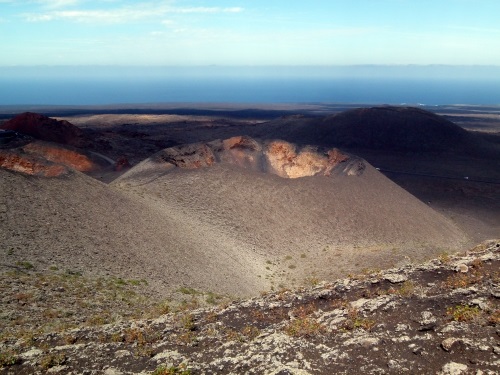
187 322
463 313
9 358
25 265
304 327
189 291
407 289
311 280
354 320
51 360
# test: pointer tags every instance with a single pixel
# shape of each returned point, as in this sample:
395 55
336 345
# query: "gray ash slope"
223 229
296 228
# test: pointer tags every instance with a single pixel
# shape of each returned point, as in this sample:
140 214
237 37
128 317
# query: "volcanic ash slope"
78 224
276 215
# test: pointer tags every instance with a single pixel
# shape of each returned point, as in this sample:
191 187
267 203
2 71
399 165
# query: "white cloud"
57 4
38 17
118 15
168 22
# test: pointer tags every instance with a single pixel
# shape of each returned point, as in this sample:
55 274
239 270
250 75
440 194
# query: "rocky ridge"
440 317
276 157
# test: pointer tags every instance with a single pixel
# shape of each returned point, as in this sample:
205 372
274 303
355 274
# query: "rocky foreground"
440 317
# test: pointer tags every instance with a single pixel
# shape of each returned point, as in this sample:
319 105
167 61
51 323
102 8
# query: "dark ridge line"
260 114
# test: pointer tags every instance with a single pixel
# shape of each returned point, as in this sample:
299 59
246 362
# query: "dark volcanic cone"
404 129
401 129
47 129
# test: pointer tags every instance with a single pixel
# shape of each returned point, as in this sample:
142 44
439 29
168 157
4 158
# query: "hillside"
295 227
46 129
213 221
224 228
388 128
440 317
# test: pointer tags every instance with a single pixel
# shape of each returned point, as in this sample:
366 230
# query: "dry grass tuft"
463 313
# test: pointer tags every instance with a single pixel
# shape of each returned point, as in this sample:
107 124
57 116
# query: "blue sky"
249 32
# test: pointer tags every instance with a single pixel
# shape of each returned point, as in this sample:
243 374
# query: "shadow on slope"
398 129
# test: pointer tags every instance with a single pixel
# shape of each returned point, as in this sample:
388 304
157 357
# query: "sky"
249 32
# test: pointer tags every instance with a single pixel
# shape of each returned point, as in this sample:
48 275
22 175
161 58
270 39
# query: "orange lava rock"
29 165
61 155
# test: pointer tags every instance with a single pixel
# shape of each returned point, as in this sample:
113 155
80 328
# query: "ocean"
125 86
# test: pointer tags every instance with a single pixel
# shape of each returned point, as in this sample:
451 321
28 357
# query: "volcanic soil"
167 211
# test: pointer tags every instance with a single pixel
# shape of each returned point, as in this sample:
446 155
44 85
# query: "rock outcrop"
276 157
44 159
47 129
435 322
30 164
61 155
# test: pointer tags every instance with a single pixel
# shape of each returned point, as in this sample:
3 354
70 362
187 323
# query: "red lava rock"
30 165
278 157
61 155
47 129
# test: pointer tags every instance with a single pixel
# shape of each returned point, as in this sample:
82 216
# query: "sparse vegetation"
188 291
323 317
76 297
493 317
463 313
463 280
175 370
26 265
306 326
354 320
8 358
312 280
51 360
406 289
444 257
186 321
